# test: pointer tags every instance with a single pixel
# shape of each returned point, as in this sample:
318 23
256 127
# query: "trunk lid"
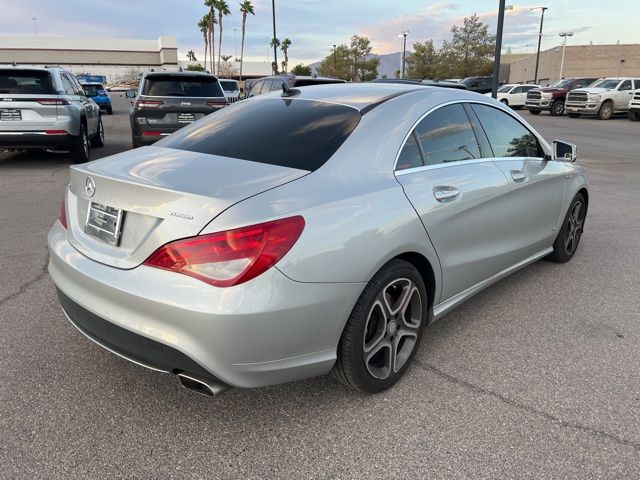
28 100
164 194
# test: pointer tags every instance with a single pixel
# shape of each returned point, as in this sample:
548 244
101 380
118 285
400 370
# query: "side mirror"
242 95
563 151
130 93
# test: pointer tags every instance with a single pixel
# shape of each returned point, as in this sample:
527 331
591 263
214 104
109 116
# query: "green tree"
223 10
211 16
351 62
424 62
191 56
284 46
301 69
470 51
195 67
275 43
246 8
203 25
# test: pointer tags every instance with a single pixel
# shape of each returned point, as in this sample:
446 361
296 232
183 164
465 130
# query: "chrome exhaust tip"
200 385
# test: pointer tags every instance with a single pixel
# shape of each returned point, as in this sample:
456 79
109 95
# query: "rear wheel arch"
423 266
585 194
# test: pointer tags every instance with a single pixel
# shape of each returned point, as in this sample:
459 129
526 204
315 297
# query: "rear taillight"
217 103
151 133
147 103
52 101
232 257
63 211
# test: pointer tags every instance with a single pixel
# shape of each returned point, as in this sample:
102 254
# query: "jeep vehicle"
478 84
552 98
269 84
604 98
231 89
167 101
634 107
47 108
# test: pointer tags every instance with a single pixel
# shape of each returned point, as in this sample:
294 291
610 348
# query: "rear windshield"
228 86
94 90
25 82
291 133
182 86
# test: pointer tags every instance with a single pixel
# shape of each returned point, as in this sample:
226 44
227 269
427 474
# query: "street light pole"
564 45
275 47
498 52
334 61
404 50
35 25
535 80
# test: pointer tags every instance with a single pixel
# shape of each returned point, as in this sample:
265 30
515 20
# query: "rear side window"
291 133
446 136
182 86
507 136
27 82
410 155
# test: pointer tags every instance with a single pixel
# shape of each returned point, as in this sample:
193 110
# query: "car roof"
365 96
177 73
47 68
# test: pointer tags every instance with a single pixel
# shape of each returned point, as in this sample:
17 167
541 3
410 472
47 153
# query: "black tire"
80 151
573 115
557 108
535 112
568 238
386 332
110 110
97 141
633 116
606 111
135 142
505 101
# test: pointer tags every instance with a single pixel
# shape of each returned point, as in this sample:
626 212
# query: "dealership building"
579 61
119 59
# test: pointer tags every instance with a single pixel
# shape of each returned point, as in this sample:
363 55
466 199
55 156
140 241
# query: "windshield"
300 134
505 89
27 82
607 83
182 86
566 83
94 90
229 86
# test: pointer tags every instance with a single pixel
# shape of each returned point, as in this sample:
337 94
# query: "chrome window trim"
543 143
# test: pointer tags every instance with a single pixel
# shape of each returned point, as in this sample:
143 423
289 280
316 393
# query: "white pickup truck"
634 107
603 98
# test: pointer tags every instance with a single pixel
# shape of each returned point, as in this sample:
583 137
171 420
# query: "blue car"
98 94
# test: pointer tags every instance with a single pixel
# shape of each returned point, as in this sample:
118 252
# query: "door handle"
518 175
445 194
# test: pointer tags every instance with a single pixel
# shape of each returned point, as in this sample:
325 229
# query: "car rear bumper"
149 139
267 331
35 139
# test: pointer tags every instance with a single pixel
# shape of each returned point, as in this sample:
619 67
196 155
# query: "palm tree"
245 8
275 43
223 9
284 46
211 4
203 25
191 56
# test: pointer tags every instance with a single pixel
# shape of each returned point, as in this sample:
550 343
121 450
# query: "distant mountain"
389 63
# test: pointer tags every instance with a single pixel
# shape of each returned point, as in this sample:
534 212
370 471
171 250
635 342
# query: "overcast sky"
314 25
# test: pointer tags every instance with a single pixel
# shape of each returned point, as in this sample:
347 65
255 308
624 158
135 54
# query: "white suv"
514 95
603 98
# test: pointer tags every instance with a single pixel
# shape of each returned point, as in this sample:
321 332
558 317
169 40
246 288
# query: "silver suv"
46 107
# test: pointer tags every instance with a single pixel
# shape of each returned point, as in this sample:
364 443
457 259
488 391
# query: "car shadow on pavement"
40 160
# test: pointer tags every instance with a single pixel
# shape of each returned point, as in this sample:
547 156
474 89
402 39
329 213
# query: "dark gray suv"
46 107
167 101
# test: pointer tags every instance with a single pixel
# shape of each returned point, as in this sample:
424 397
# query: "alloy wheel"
575 224
391 330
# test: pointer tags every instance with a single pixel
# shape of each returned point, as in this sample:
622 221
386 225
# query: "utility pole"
404 50
535 79
564 45
275 47
35 25
335 60
498 52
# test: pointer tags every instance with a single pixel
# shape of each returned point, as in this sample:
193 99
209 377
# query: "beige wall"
580 61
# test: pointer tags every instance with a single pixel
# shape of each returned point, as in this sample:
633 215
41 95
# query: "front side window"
182 86
69 89
507 136
446 136
291 133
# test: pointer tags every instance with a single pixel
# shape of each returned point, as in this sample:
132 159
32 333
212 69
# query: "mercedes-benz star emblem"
89 187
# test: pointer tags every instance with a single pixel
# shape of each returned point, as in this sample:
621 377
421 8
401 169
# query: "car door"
516 97
623 95
460 196
536 183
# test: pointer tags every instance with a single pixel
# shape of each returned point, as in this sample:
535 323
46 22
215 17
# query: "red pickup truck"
552 97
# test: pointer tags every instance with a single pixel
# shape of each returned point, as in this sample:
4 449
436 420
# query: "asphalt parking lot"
537 377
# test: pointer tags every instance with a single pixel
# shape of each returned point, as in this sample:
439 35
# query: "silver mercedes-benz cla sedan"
309 231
